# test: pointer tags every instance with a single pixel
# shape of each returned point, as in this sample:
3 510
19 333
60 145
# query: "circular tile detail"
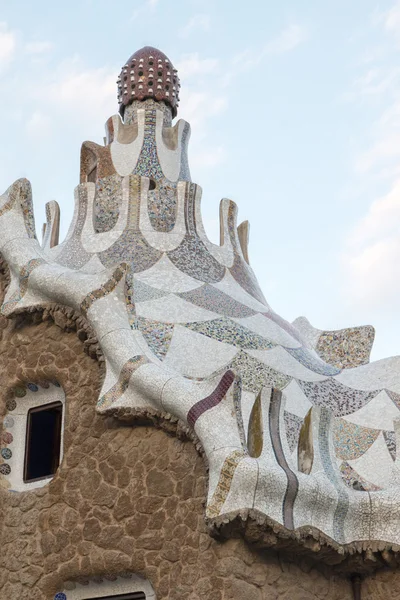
7 437
20 391
5 469
44 384
11 404
6 453
60 596
57 384
33 387
8 423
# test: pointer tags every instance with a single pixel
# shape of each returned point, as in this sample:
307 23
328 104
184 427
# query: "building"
164 433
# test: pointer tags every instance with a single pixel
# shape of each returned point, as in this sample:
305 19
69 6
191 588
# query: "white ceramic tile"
170 160
271 490
243 486
223 254
378 413
376 464
296 401
269 329
217 427
173 309
185 348
374 376
230 286
93 266
282 361
125 156
307 331
247 401
165 276
109 313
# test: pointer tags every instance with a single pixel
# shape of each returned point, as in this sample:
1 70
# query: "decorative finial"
152 70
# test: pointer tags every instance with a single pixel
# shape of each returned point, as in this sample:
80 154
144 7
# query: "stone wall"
384 585
126 499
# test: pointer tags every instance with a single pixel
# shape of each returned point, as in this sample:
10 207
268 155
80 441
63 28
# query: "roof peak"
148 73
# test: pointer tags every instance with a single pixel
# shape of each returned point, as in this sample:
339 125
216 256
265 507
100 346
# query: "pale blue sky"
295 114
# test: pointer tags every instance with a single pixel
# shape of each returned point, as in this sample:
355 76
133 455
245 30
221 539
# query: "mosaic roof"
295 422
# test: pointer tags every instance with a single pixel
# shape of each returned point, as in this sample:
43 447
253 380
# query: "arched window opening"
43 441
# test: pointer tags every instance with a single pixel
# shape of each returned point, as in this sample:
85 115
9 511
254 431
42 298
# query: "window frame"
128 596
125 587
58 451
15 423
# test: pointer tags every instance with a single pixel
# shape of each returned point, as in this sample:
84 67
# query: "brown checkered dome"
148 74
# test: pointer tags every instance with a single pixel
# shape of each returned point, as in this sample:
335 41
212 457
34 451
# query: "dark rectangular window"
43 441
132 596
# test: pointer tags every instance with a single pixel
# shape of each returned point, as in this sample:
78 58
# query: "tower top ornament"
148 73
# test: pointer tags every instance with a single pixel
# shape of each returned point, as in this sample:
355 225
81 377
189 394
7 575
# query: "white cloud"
149 6
385 149
82 89
38 125
199 102
392 18
212 228
191 65
196 106
370 274
200 22
74 94
38 47
371 253
287 40
207 158
381 221
376 81
380 152
8 44
379 86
